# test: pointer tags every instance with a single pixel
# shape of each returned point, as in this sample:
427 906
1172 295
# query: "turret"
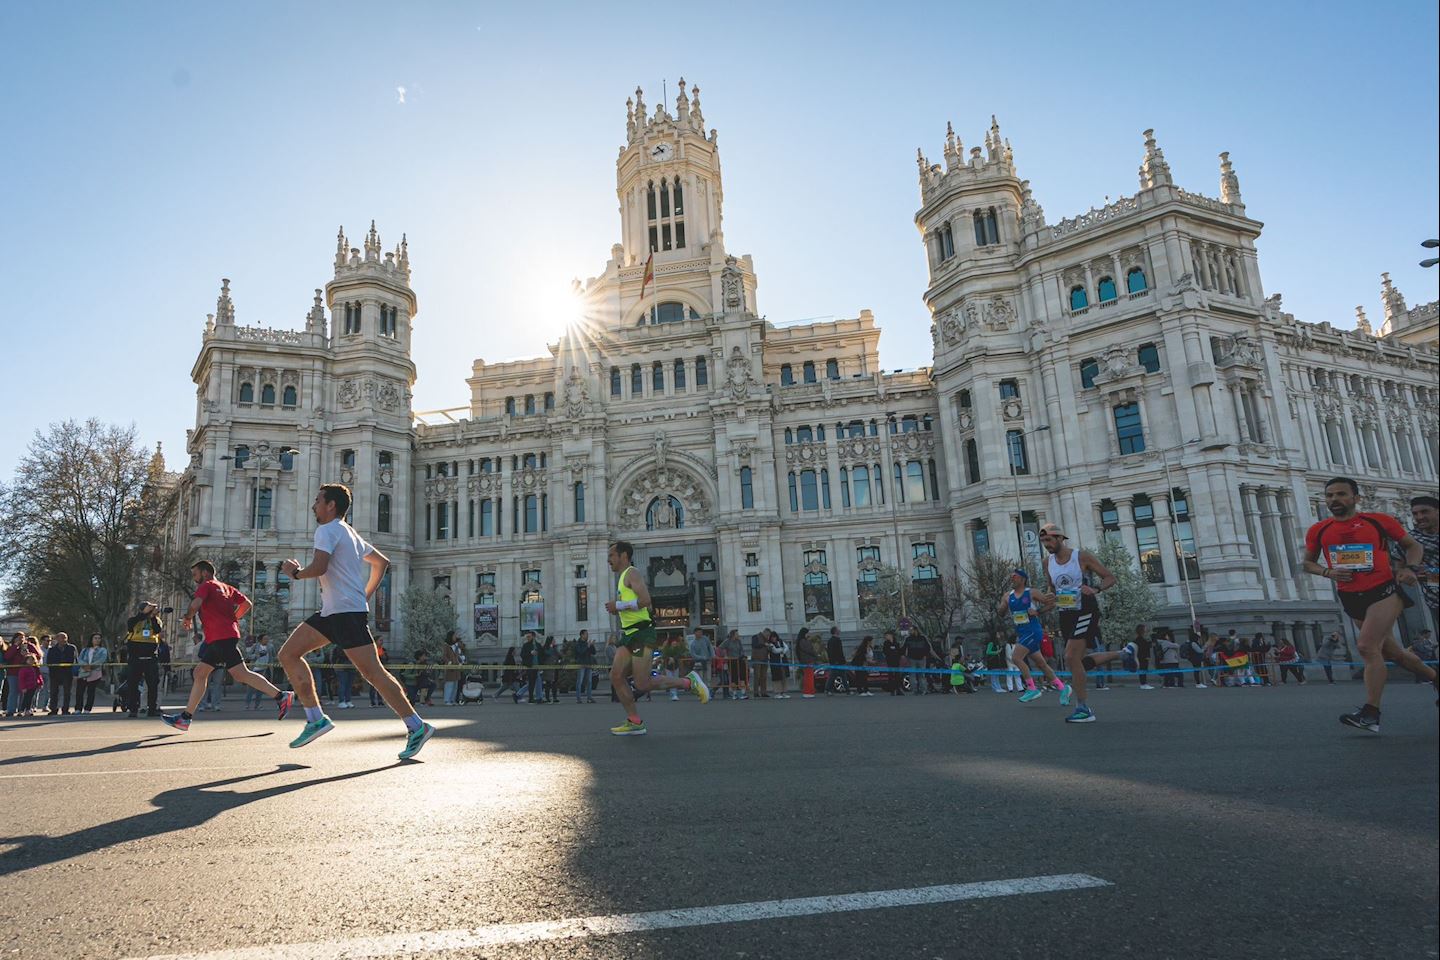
1393 299
1229 183
370 297
1154 170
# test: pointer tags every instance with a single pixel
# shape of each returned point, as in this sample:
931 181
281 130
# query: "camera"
167 610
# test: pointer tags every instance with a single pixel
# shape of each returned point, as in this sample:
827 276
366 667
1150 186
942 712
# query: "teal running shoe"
312 730
1029 695
416 740
1082 714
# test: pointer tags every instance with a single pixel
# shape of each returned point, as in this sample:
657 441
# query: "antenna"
664 91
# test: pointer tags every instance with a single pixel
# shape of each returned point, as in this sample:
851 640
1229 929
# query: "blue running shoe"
1029 695
1082 714
416 740
286 701
176 720
312 730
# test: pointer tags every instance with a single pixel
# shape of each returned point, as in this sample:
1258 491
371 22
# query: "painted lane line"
577 928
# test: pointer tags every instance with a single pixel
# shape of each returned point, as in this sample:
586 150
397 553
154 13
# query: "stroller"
472 690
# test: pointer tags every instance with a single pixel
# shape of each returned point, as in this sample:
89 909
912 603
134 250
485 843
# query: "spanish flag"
649 273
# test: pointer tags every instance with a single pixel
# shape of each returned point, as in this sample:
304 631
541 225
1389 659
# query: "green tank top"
629 619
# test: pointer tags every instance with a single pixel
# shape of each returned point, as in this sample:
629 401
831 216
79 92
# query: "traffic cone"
807 682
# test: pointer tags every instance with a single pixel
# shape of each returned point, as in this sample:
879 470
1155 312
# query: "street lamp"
1169 506
895 525
1430 245
262 461
1015 482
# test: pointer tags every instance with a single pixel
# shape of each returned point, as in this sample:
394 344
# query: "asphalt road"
1228 823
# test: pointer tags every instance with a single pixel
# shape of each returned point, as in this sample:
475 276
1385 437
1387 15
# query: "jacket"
701 649
835 649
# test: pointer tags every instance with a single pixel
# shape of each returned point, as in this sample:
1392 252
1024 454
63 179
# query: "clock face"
661 151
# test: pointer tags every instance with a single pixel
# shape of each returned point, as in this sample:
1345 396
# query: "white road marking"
108 773
578 928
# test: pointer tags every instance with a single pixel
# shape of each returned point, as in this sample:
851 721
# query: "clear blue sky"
152 148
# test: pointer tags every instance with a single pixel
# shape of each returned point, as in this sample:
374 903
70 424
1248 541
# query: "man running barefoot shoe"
1356 550
1020 606
341 563
220 607
637 642
1067 571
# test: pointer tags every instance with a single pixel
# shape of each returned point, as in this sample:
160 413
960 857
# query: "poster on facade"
532 615
487 619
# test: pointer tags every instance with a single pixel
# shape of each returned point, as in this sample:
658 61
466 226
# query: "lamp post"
1430 245
1015 482
1169 505
895 525
262 462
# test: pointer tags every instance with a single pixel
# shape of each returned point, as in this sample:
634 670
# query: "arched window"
510 406
679 375
820 433
945 242
529 404
860 485
809 371
915 482
747 489
528 461
794 497
247 392
289 397
789 436
242 454
637 381
1106 289
1078 299
665 513
987 227
614 381
532 513
657 377
1150 357
671 312
804 435
549 402
702 372
1015 447
1135 281
1089 369
964 399
267 395
382 513
832 369
579 493
787 375
972 461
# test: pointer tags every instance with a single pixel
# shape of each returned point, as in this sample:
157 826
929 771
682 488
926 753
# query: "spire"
402 256
921 162
682 103
952 150
993 141
1229 183
697 119
1394 300
639 111
1362 323
629 120
341 247
372 244
315 319
1009 154
225 309
1031 213
1154 172
157 463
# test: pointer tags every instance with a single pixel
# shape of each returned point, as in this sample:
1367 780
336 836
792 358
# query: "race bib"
1020 619
145 633
1067 599
1359 557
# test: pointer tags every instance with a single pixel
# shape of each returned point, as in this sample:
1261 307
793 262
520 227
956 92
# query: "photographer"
142 649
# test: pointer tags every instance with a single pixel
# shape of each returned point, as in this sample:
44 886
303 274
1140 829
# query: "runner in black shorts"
1356 549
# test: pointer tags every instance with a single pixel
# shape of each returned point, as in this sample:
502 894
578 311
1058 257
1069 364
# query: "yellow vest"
629 619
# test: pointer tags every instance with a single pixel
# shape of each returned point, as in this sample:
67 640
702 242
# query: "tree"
429 617
1130 602
82 513
985 582
935 606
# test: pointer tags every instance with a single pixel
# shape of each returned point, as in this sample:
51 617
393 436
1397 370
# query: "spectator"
779 668
1168 659
553 658
805 656
42 693
450 670
995 663
1289 660
835 657
91 674
1144 647
143 633
702 651
959 668
736 676
860 662
32 681
6 682
258 656
422 678
585 660
917 648
1423 646
1195 655
61 657
530 652
1260 648
891 650
1332 650
759 663
509 678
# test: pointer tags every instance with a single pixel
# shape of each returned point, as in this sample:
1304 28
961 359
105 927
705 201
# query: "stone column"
1126 506
1270 531
1165 527
1252 526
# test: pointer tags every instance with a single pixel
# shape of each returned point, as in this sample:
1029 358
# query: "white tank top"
1067 575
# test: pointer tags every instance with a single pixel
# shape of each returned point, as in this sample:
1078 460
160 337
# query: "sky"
153 148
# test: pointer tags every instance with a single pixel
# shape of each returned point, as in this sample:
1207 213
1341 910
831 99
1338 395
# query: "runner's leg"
381 680
618 686
1044 665
1407 659
198 686
1377 627
1017 659
302 640
243 674
1076 649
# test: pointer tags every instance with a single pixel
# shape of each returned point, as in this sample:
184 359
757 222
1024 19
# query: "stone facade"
765 473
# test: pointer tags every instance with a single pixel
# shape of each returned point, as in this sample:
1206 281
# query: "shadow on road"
183 808
144 743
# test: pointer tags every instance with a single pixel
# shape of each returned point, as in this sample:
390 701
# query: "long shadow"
144 743
182 808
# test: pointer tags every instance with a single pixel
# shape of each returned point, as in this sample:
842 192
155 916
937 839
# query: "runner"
637 641
1021 607
1357 557
1066 569
220 607
340 562
1425 511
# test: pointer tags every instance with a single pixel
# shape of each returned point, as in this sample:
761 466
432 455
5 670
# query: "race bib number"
1359 557
1067 599
1020 619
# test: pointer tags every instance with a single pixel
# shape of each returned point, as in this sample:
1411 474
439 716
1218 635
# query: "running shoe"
1029 695
313 729
178 721
628 729
1065 692
698 686
284 703
1082 714
1129 658
1364 718
416 740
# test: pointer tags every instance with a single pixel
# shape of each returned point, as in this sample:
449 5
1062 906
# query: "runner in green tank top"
637 639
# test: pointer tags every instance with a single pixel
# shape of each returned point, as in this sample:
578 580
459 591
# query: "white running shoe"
1146 686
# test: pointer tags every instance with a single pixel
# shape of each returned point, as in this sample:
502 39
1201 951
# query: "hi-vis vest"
629 619
142 632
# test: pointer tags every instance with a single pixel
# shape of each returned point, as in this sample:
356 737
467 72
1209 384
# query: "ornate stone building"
1121 372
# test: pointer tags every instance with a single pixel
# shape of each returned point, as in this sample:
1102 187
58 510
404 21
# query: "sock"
1059 684
314 714
186 715
689 684
634 719
413 722
1030 684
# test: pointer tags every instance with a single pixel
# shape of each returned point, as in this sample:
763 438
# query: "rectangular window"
809 491
637 381
914 482
1128 430
702 372
980 538
752 592
580 502
442 521
532 513
747 489
860 486
487 517
1009 389
899 482
1150 357
582 603
1109 521
1015 447
972 461
844 487
1089 370
382 514
1147 540
657 377
1184 534
794 497
825 488
679 376
923 561
260 503
528 577
614 381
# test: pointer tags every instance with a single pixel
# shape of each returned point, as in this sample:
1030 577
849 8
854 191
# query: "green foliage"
936 607
429 616
1130 602
985 582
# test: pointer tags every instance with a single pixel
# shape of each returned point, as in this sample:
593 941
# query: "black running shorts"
1082 624
222 654
1357 602
346 630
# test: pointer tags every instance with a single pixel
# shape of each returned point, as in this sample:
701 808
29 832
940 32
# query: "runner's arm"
642 592
379 563
1088 562
317 568
1414 557
242 607
188 620
1312 566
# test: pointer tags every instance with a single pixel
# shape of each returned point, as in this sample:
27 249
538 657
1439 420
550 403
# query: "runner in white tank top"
1066 569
